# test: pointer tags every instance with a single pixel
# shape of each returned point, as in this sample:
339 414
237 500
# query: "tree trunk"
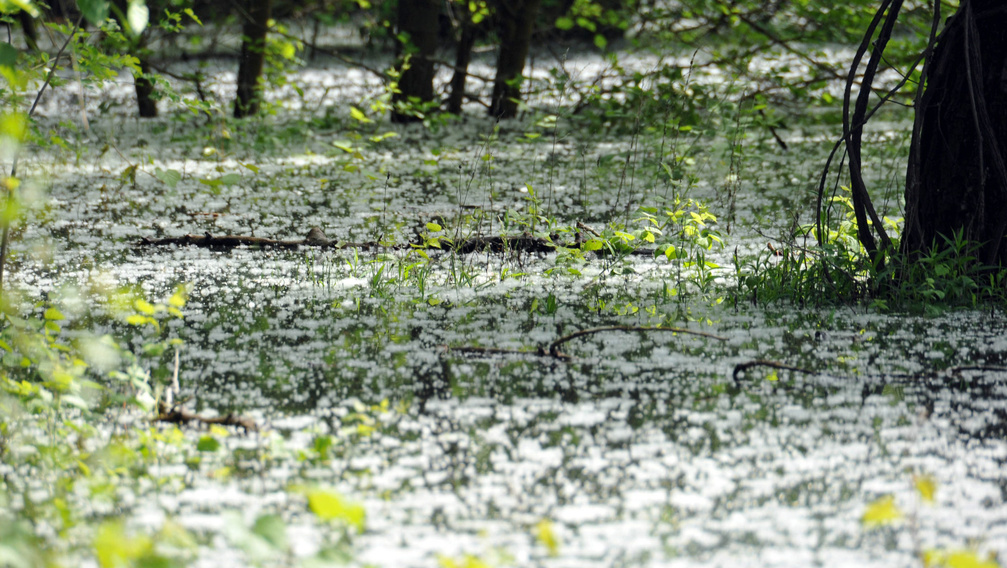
253 55
417 20
515 24
144 91
956 183
463 57
29 28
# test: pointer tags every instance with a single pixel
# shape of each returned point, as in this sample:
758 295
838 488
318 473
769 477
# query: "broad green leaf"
52 314
8 55
11 6
95 11
114 548
593 244
434 227
564 23
13 125
168 177
273 530
208 444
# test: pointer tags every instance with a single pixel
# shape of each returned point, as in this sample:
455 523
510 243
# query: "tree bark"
145 91
957 178
253 55
29 28
418 20
463 56
515 24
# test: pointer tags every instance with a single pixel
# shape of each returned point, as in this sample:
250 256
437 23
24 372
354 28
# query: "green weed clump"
838 270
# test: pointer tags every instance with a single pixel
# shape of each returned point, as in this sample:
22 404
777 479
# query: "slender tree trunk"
957 178
253 55
516 22
463 57
417 19
144 91
29 28
136 45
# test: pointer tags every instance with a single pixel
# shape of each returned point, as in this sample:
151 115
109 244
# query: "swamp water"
643 449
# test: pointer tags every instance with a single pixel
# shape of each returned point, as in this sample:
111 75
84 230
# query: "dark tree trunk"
29 28
515 24
419 20
956 182
463 56
145 91
136 45
253 55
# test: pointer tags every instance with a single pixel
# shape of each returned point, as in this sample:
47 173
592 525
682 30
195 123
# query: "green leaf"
600 42
564 23
593 244
358 115
11 6
191 14
230 179
52 314
434 227
208 444
273 530
144 307
168 177
95 11
8 55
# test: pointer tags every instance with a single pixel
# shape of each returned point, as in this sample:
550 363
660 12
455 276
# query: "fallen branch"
316 238
554 346
742 367
176 415
553 351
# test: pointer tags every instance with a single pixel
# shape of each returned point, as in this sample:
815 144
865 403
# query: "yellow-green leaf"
881 512
52 314
545 534
926 486
329 505
143 307
358 115
956 559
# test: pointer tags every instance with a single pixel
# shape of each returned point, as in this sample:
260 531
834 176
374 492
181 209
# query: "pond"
408 379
